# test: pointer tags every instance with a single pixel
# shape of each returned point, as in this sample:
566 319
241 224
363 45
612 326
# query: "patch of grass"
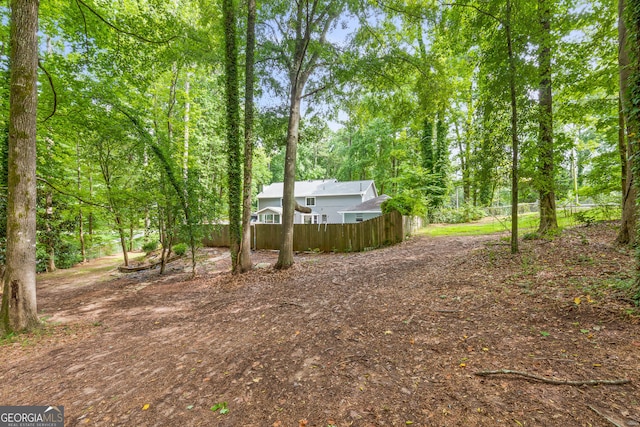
26 339
527 226
490 225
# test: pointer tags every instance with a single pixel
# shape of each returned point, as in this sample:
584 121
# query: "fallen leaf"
145 407
302 423
577 300
190 407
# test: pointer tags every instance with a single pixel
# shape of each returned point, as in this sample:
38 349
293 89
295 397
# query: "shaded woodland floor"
383 338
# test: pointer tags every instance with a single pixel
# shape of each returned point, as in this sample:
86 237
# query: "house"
326 198
370 209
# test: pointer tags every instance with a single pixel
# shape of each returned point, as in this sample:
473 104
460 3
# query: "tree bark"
245 245
19 305
546 166
626 235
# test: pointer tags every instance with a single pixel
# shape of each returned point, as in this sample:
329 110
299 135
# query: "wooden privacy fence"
384 230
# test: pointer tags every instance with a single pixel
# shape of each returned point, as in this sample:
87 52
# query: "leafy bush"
67 254
466 213
180 249
149 247
405 204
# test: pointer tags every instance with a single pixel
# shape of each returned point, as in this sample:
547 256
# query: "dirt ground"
383 338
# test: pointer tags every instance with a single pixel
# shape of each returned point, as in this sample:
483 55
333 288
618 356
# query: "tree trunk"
627 232
285 256
234 167
245 245
622 145
83 249
50 238
546 167
514 132
19 307
123 240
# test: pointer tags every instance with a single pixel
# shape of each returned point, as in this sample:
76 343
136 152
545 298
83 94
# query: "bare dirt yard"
391 337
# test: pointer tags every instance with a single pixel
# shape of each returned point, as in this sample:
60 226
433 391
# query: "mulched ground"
383 338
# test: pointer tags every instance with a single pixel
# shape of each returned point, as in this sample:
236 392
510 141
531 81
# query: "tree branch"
313 92
137 36
476 8
53 89
75 196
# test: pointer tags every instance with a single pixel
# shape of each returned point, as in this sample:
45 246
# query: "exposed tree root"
551 380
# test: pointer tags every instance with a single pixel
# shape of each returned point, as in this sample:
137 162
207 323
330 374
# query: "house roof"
270 209
371 205
318 188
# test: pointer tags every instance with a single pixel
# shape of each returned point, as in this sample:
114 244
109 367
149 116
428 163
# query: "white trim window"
325 218
310 219
359 217
271 218
310 201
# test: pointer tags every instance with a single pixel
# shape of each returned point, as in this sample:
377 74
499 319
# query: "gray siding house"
370 209
327 199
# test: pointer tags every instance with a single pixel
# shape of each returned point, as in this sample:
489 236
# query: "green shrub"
405 204
180 249
466 213
149 247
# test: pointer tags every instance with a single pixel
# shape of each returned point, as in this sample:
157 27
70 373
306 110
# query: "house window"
310 219
311 201
271 219
359 217
325 218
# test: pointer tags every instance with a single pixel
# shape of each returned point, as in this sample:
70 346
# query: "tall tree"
508 25
546 162
19 305
627 234
245 246
632 15
309 19
234 169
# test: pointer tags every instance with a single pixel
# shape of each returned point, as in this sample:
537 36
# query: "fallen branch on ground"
605 416
551 380
124 269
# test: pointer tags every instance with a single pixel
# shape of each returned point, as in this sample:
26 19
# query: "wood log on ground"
125 269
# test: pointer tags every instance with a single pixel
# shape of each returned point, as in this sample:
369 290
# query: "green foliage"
149 247
405 204
465 213
180 249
